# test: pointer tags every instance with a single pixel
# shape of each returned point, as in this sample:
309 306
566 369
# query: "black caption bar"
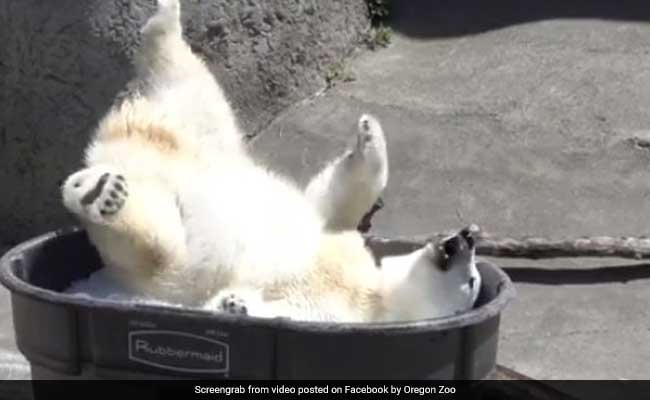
189 389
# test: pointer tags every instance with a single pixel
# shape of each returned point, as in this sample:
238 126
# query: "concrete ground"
526 120
12 364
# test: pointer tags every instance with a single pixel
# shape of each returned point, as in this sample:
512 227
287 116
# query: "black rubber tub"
67 337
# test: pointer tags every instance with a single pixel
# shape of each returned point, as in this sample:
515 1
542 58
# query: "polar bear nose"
454 250
452 246
469 234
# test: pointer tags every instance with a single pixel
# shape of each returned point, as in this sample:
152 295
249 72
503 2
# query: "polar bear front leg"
236 301
132 225
95 195
249 301
230 303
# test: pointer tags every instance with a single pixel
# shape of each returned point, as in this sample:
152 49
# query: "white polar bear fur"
180 212
349 185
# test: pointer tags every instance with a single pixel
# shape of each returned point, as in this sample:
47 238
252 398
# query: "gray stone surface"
585 319
13 364
525 130
528 121
62 63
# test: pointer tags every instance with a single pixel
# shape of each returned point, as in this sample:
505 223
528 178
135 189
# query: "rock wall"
63 62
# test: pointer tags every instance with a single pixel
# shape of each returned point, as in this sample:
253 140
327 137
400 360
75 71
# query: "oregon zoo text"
328 389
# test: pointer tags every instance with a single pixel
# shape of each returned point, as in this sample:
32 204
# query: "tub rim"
505 293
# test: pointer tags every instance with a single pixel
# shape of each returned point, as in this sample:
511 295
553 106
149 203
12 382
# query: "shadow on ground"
446 18
572 276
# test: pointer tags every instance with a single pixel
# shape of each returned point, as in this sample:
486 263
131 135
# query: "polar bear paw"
232 304
95 194
166 19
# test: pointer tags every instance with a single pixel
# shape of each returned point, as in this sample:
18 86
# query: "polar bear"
437 280
179 211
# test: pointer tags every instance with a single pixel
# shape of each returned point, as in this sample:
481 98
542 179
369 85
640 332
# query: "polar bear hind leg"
172 76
